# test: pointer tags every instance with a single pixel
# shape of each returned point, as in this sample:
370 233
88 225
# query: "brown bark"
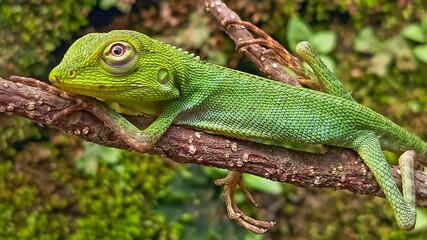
338 168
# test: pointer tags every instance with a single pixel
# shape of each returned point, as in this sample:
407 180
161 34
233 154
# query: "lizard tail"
399 140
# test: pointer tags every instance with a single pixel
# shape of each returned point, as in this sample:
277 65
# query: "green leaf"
106 4
123 6
324 41
298 31
414 33
403 56
366 42
329 62
195 34
415 106
420 52
423 24
262 184
93 154
252 236
421 221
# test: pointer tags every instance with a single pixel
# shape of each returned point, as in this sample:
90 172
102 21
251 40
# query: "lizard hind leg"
403 205
230 183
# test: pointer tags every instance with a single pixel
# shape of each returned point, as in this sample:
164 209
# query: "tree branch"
238 33
338 168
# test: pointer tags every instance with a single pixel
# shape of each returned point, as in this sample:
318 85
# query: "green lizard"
136 74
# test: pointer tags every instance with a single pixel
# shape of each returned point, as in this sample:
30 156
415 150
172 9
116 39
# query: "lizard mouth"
109 88
93 88
81 88
77 86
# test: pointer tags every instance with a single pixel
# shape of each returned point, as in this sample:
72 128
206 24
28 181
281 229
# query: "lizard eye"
120 58
117 49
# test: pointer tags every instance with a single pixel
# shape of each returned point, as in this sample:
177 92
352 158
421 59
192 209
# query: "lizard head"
120 67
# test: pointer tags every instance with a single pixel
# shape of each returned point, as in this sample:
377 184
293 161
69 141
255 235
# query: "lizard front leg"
139 140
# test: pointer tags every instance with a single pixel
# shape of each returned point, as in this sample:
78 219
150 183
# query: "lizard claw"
230 182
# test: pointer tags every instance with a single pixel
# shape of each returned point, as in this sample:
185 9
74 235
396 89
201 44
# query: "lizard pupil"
117 50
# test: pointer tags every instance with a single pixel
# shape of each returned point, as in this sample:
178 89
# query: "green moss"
116 202
14 130
43 196
30 30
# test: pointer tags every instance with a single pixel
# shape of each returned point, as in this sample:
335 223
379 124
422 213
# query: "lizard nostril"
53 78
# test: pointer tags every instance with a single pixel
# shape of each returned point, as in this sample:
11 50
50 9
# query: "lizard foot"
276 51
230 183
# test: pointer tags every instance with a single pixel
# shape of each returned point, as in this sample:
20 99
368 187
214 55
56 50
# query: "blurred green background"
54 186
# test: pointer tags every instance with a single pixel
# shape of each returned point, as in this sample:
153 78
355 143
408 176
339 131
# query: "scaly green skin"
152 78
